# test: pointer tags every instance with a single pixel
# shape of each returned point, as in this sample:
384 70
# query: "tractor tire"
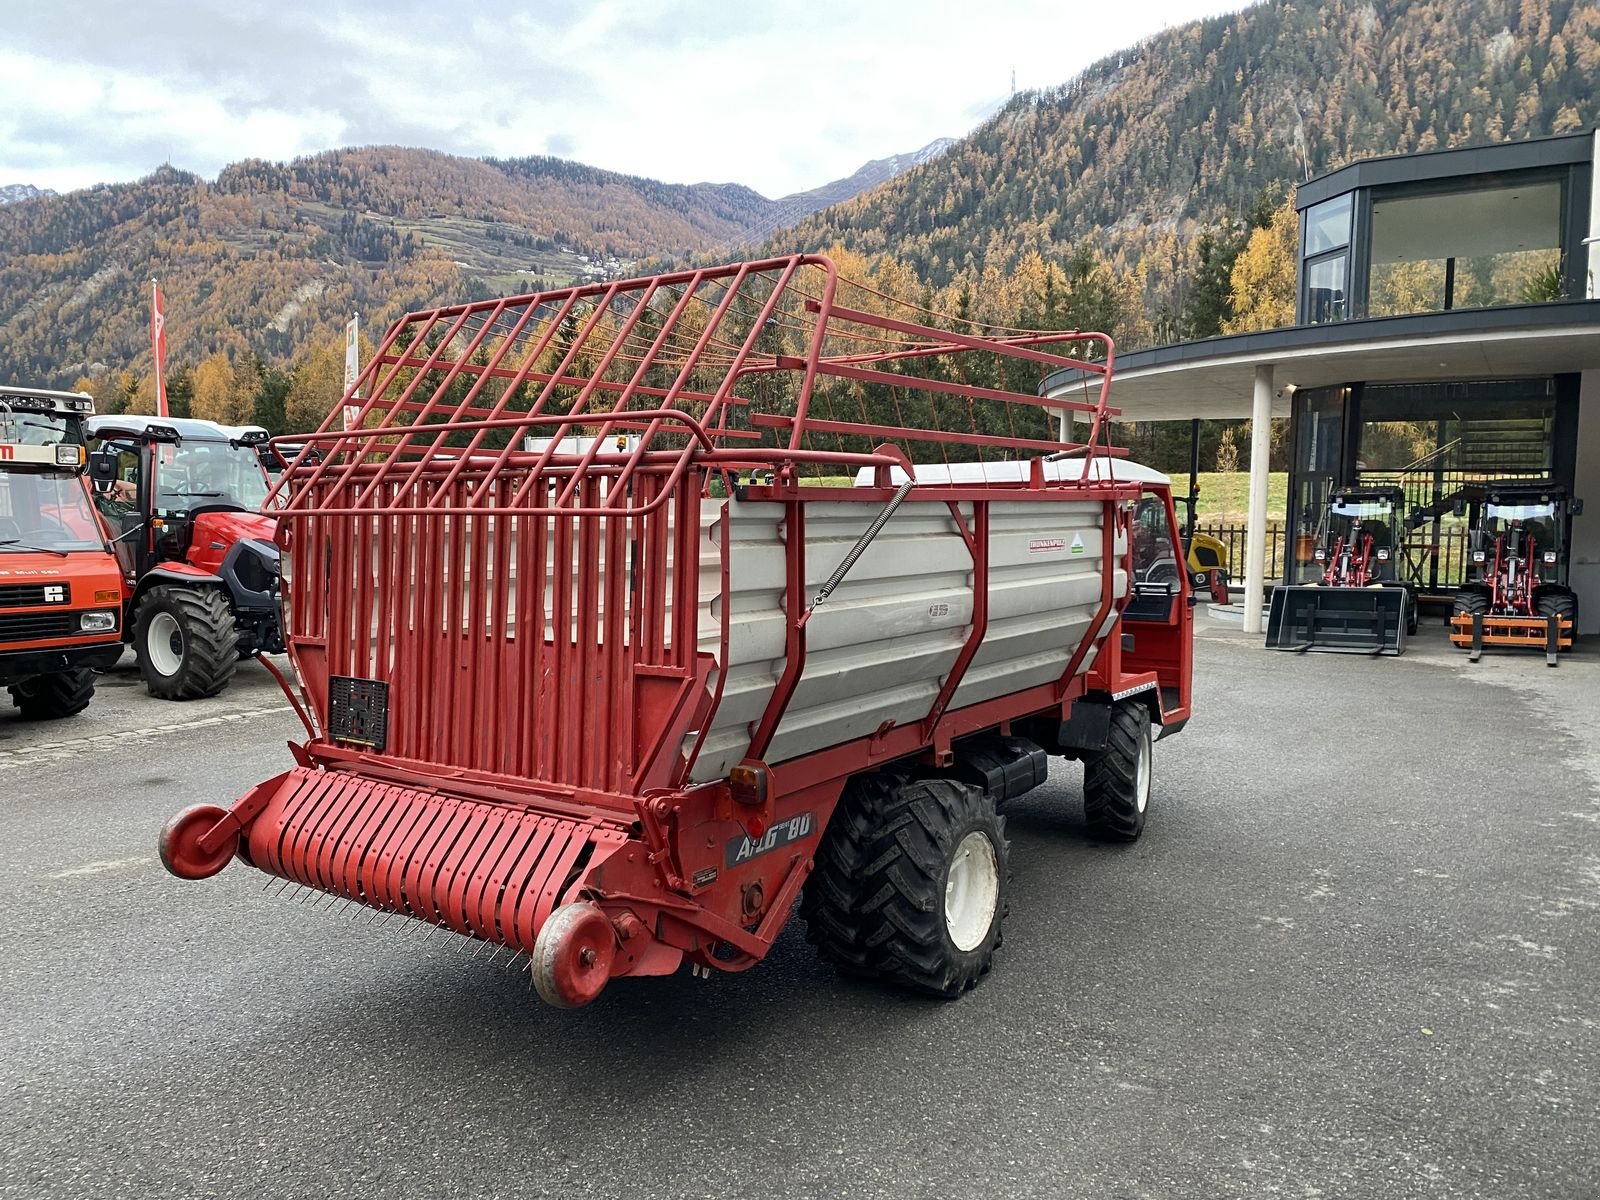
51 697
1469 603
911 884
1563 604
1116 781
1413 615
186 641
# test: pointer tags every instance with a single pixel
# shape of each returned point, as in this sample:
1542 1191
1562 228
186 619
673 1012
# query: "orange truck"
60 587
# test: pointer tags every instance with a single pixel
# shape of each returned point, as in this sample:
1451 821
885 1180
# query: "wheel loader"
1358 604
1517 592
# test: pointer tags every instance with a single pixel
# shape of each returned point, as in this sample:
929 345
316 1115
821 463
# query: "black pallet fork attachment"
1341 620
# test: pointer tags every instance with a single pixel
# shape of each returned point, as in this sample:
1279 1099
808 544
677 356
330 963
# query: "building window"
1478 248
1325 284
1328 225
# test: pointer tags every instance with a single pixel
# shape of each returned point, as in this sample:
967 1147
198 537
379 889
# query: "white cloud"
782 95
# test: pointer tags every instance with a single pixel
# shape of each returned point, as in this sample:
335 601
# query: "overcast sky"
781 95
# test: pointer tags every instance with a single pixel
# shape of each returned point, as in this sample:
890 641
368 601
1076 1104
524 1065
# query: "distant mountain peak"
16 193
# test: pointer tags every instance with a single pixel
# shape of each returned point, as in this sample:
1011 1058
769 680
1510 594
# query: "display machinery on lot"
613 710
60 590
1516 592
1358 605
200 566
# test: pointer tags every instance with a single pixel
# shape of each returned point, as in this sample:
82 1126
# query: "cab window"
1154 560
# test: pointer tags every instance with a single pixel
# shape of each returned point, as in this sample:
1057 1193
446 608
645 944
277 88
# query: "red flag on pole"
158 347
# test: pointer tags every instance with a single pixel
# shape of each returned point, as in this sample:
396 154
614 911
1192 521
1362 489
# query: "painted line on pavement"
100 742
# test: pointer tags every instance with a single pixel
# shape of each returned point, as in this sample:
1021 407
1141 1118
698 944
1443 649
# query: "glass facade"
1436 246
1440 443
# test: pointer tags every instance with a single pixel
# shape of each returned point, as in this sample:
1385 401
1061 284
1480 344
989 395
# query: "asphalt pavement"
1355 954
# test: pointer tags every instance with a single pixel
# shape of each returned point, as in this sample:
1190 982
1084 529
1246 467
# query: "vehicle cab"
60 589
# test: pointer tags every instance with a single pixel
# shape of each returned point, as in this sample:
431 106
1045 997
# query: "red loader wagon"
600 664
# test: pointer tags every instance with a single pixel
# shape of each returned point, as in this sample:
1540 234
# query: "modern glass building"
1448 333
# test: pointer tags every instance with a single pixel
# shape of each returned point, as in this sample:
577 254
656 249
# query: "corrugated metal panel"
879 648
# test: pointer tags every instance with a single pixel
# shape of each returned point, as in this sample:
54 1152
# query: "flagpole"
158 346
352 368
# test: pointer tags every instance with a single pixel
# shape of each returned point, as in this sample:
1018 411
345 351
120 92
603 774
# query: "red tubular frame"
534 609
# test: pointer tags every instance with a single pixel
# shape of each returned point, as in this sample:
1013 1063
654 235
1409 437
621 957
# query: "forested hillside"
1185 133
270 259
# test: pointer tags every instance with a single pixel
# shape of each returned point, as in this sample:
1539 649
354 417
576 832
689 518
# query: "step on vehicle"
1517 593
610 711
181 499
1359 605
60 589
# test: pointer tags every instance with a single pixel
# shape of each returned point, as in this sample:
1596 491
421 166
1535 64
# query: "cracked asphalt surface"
1355 954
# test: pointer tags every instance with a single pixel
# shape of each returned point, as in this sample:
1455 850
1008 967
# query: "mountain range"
1105 185
269 257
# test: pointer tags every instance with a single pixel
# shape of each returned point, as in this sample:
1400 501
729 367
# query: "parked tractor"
181 500
614 710
1517 592
60 590
1359 604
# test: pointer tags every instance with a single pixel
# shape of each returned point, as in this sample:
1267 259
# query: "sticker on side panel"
1077 543
1046 545
742 849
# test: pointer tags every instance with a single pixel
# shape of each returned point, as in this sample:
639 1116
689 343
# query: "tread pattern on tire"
211 641
1467 603
1111 778
873 905
1558 602
50 697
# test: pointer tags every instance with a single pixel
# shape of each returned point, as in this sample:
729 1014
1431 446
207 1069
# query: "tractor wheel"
1469 603
50 697
1116 782
1563 604
1413 616
911 884
186 641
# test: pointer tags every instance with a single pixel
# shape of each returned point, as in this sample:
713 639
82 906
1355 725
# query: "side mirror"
103 469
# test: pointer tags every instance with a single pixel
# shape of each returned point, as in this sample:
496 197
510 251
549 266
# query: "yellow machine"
1206 554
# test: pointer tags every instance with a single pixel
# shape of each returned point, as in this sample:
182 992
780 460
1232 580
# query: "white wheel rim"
1142 777
164 644
971 891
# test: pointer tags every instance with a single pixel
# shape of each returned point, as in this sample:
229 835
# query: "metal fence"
1417 553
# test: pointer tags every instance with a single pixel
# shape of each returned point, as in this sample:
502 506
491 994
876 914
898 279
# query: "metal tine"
287 884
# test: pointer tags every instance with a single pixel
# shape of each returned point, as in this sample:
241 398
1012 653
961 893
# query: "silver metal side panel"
879 649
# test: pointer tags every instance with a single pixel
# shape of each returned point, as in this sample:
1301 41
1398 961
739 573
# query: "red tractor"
60 590
181 500
1517 592
615 710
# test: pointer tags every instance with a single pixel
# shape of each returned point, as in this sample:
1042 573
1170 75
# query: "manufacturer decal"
742 849
705 877
939 610
1046 545
55 593
1077 543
